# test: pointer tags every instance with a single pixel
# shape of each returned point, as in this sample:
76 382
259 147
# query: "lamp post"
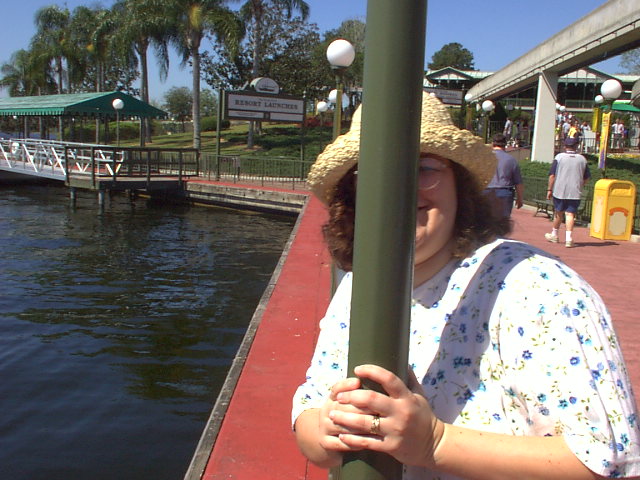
487 108
340 54
610 90
117 105
322 107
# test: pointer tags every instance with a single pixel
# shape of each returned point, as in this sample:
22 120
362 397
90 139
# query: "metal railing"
285 172
115 162
62 160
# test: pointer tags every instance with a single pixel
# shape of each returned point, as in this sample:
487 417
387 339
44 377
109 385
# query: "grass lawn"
278 140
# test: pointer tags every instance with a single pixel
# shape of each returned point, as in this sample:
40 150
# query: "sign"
268 108
265 85
449 97
604 139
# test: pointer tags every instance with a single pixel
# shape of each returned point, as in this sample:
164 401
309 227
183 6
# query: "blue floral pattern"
509 340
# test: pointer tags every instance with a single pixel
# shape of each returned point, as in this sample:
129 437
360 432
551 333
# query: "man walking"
506 181
568 174
618 134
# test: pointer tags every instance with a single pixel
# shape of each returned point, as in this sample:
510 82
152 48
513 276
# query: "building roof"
624 106
98 104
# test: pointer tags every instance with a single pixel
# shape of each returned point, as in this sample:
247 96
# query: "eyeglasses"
430 172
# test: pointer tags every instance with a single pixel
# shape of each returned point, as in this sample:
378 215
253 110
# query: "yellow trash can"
613 209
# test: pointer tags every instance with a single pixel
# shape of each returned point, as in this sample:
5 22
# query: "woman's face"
436 214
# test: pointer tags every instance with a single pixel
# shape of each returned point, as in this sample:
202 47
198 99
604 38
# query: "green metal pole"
337 117
302 128
386 202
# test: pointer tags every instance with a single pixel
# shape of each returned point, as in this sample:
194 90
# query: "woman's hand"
318 435
401 424
329 430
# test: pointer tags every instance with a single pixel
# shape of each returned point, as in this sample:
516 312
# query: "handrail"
65 160
289 172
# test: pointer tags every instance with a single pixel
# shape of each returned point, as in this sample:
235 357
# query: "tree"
100 61
253 12
287 57
192 19
290 60
144 25
630 61
52 23
51 38
26 74
178 101
208 103
452 55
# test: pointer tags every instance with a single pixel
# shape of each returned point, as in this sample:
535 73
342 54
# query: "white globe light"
468 97
322 106
562 108
117 104
599 99
332 96
340 53
488 106
557 106
611 89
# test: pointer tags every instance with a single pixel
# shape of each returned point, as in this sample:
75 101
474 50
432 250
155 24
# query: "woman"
516 371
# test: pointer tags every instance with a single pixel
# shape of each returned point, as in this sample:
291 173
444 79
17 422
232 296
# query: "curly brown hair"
475 223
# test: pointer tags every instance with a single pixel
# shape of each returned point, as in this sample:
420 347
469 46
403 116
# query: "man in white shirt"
618 134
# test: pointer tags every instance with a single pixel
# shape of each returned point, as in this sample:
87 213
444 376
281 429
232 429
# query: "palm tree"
24 75
252 12
143 23
52 23
27 73
192 20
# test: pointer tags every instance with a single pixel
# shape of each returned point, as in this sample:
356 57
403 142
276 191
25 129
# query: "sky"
497 32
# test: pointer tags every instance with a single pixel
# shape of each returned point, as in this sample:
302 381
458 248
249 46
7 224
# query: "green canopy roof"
98 104
624 106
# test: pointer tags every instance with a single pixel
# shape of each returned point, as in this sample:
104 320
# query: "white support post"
545 122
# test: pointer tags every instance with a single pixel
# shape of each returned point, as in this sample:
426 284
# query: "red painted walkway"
255 441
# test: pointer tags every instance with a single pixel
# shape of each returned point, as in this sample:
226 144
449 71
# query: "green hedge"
620 167
209 124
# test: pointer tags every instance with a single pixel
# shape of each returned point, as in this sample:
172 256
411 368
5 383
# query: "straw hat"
438 135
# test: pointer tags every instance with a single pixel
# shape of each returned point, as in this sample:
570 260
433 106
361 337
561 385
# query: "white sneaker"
569 243
551 237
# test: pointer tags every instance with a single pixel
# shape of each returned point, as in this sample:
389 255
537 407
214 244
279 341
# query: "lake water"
118 327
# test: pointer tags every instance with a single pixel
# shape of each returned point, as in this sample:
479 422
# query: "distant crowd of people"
569 126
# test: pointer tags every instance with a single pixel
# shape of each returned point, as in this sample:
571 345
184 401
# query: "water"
117 328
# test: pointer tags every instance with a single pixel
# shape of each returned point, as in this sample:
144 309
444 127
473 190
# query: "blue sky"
496 31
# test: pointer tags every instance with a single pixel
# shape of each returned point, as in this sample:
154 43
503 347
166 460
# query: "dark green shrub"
209 124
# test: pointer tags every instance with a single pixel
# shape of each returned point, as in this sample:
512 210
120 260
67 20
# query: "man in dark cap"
568 174
507 180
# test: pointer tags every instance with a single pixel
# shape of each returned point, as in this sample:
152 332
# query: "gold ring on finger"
375 425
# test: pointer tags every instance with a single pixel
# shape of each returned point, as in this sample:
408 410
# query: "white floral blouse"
509 340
